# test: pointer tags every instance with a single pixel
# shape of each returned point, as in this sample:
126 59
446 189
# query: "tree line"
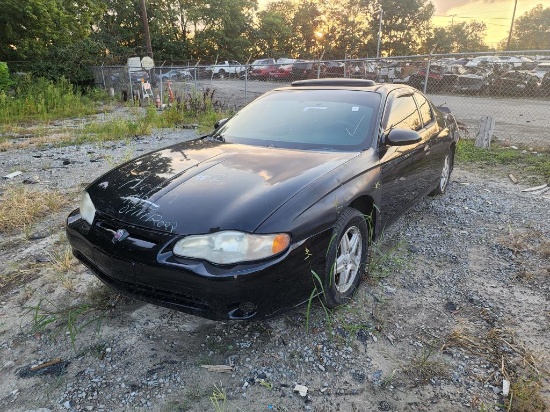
63 38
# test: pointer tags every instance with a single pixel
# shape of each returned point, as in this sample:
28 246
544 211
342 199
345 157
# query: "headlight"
87 208
231 246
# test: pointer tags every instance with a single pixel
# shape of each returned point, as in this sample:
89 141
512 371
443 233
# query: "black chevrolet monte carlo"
241 223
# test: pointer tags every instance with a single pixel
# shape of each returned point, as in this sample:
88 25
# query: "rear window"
306 119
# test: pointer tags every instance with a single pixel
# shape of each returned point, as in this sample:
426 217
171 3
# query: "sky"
496 14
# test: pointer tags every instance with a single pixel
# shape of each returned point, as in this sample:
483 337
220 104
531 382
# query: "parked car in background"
333 69
305 70
139 75
232 225
259 70
226 68
486 61
516 83
175 75
475 80
513 62
442 77
281 73
527 63
545 85
541 69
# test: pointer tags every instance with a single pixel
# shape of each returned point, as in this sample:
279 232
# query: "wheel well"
365 205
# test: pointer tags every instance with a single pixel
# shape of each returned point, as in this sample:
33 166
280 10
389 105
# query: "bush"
43 99
5 81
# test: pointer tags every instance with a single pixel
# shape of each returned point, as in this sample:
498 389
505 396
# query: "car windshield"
306 119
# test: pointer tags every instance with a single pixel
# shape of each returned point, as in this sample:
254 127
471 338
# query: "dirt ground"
455 305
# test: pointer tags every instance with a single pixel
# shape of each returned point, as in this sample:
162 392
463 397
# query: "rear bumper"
252 291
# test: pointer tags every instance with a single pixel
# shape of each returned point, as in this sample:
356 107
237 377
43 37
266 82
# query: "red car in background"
259 69
281 73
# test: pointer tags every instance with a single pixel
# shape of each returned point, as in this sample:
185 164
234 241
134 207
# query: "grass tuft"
43 100
521 162
517 365
20 207
525 396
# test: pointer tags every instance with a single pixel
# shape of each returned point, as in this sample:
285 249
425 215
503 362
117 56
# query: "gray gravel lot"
457 300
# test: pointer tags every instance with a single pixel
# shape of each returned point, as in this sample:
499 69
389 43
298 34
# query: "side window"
404 114
424 108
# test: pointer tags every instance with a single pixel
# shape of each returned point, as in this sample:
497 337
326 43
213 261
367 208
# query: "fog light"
242 311
247 308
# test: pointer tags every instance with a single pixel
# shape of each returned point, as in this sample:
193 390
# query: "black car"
304 70
241 223
545 85
476 80
516 83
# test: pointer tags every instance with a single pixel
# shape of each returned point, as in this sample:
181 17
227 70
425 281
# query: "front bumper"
143 267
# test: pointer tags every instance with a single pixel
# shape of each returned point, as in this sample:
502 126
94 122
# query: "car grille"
161 297
142 244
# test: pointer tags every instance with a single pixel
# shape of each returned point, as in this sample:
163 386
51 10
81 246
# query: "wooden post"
485 132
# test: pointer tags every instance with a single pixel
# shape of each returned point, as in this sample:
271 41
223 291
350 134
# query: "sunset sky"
496 14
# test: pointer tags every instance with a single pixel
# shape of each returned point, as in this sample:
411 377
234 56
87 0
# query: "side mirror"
220 123
402 137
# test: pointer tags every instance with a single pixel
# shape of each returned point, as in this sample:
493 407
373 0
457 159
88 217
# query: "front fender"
317 207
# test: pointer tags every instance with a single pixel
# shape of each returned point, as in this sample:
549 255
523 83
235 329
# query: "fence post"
103 76
485 132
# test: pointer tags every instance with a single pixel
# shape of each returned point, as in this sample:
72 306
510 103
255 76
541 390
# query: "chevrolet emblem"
120 235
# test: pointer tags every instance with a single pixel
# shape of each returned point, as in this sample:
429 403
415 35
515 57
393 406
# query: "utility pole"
452 19
145 22
511 26
379 33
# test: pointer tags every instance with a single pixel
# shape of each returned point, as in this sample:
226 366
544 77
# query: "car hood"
203 186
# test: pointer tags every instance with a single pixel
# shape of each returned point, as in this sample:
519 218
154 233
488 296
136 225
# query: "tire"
346 258
221 74
445 175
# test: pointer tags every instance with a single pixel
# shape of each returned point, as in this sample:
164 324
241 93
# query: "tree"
406 25
274 34
346 33
119 31
532 30
305 24
31 28
456 38
221 28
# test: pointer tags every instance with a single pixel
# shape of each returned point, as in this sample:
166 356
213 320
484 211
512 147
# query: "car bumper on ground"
148 271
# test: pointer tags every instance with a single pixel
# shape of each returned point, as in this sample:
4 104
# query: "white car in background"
513 61
541 69
226 68
495 61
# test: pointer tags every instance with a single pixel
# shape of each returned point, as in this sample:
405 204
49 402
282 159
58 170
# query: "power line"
470 17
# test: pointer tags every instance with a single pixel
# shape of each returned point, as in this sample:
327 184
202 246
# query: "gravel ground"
457 301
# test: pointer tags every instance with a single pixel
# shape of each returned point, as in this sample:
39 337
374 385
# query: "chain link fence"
513 89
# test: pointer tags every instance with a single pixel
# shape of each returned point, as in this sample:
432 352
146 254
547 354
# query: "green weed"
386 260
43 100
219 399
72 319
317 291
424 367
524 162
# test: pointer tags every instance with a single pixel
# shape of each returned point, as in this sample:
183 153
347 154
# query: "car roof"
350 84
